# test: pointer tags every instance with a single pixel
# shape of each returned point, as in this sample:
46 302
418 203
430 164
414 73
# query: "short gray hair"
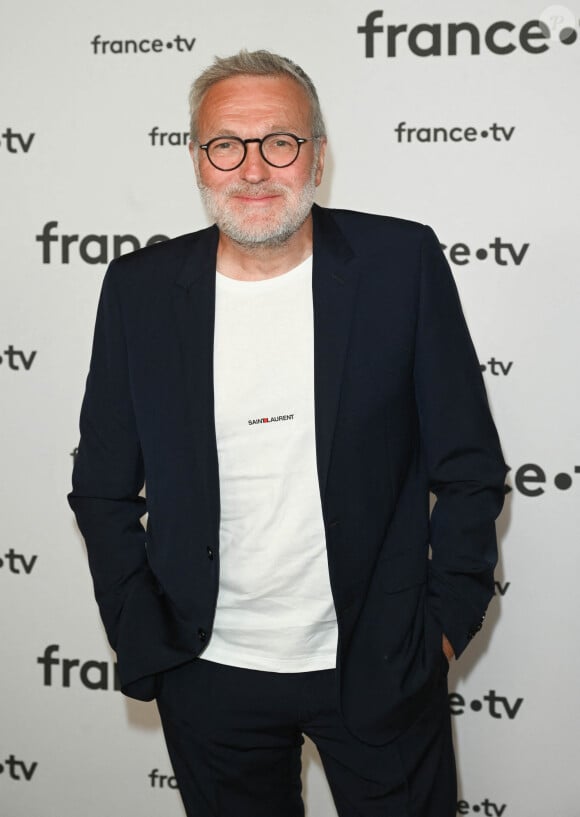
252 63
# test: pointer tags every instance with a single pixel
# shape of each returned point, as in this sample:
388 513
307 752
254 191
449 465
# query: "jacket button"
210 553
333 523
202 634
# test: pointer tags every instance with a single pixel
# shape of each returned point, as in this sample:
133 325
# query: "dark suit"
400 410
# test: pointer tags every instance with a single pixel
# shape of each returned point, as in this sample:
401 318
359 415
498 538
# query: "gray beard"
251 236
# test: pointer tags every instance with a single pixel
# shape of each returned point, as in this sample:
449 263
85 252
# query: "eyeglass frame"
300 140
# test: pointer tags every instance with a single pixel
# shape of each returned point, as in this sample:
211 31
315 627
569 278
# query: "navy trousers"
234 737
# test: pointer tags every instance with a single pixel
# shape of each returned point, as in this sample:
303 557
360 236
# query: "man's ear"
194 153
320 161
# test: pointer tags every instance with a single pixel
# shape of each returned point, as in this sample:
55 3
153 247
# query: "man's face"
257 204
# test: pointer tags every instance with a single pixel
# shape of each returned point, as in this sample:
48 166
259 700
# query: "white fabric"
275 610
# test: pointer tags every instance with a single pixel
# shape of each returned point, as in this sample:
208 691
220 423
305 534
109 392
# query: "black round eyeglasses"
277 149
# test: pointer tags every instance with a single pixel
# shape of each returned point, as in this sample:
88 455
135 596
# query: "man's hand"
447 648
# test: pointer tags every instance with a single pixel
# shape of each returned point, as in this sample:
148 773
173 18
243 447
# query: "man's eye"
281 143
223 147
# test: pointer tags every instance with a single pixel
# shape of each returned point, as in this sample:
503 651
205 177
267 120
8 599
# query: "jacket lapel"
194 309
334 286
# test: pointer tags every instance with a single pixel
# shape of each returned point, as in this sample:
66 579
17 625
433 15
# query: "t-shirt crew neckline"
285 278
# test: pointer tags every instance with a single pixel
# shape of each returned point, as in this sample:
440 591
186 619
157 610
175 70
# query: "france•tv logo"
501 37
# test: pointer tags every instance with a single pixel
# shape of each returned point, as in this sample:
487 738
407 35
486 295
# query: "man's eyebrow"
267 129
217 134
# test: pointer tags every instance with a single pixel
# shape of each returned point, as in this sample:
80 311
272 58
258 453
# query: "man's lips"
262 199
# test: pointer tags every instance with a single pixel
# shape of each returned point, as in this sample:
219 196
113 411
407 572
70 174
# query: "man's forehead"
268 99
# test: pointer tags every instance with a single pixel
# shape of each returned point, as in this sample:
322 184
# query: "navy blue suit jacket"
400 410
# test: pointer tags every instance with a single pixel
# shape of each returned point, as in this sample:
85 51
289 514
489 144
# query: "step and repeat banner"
460 115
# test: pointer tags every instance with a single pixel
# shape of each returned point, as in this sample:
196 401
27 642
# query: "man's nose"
254 168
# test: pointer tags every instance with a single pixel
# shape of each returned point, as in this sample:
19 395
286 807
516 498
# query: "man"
289 384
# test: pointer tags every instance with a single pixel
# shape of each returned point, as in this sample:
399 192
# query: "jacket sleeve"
466 469
108 472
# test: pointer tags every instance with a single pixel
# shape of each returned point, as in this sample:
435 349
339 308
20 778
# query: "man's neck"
259 263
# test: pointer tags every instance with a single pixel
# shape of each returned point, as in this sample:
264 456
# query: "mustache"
254 191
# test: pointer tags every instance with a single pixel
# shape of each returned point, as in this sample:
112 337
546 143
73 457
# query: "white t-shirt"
275 609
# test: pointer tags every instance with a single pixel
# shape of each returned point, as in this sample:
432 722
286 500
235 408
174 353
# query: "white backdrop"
81 163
